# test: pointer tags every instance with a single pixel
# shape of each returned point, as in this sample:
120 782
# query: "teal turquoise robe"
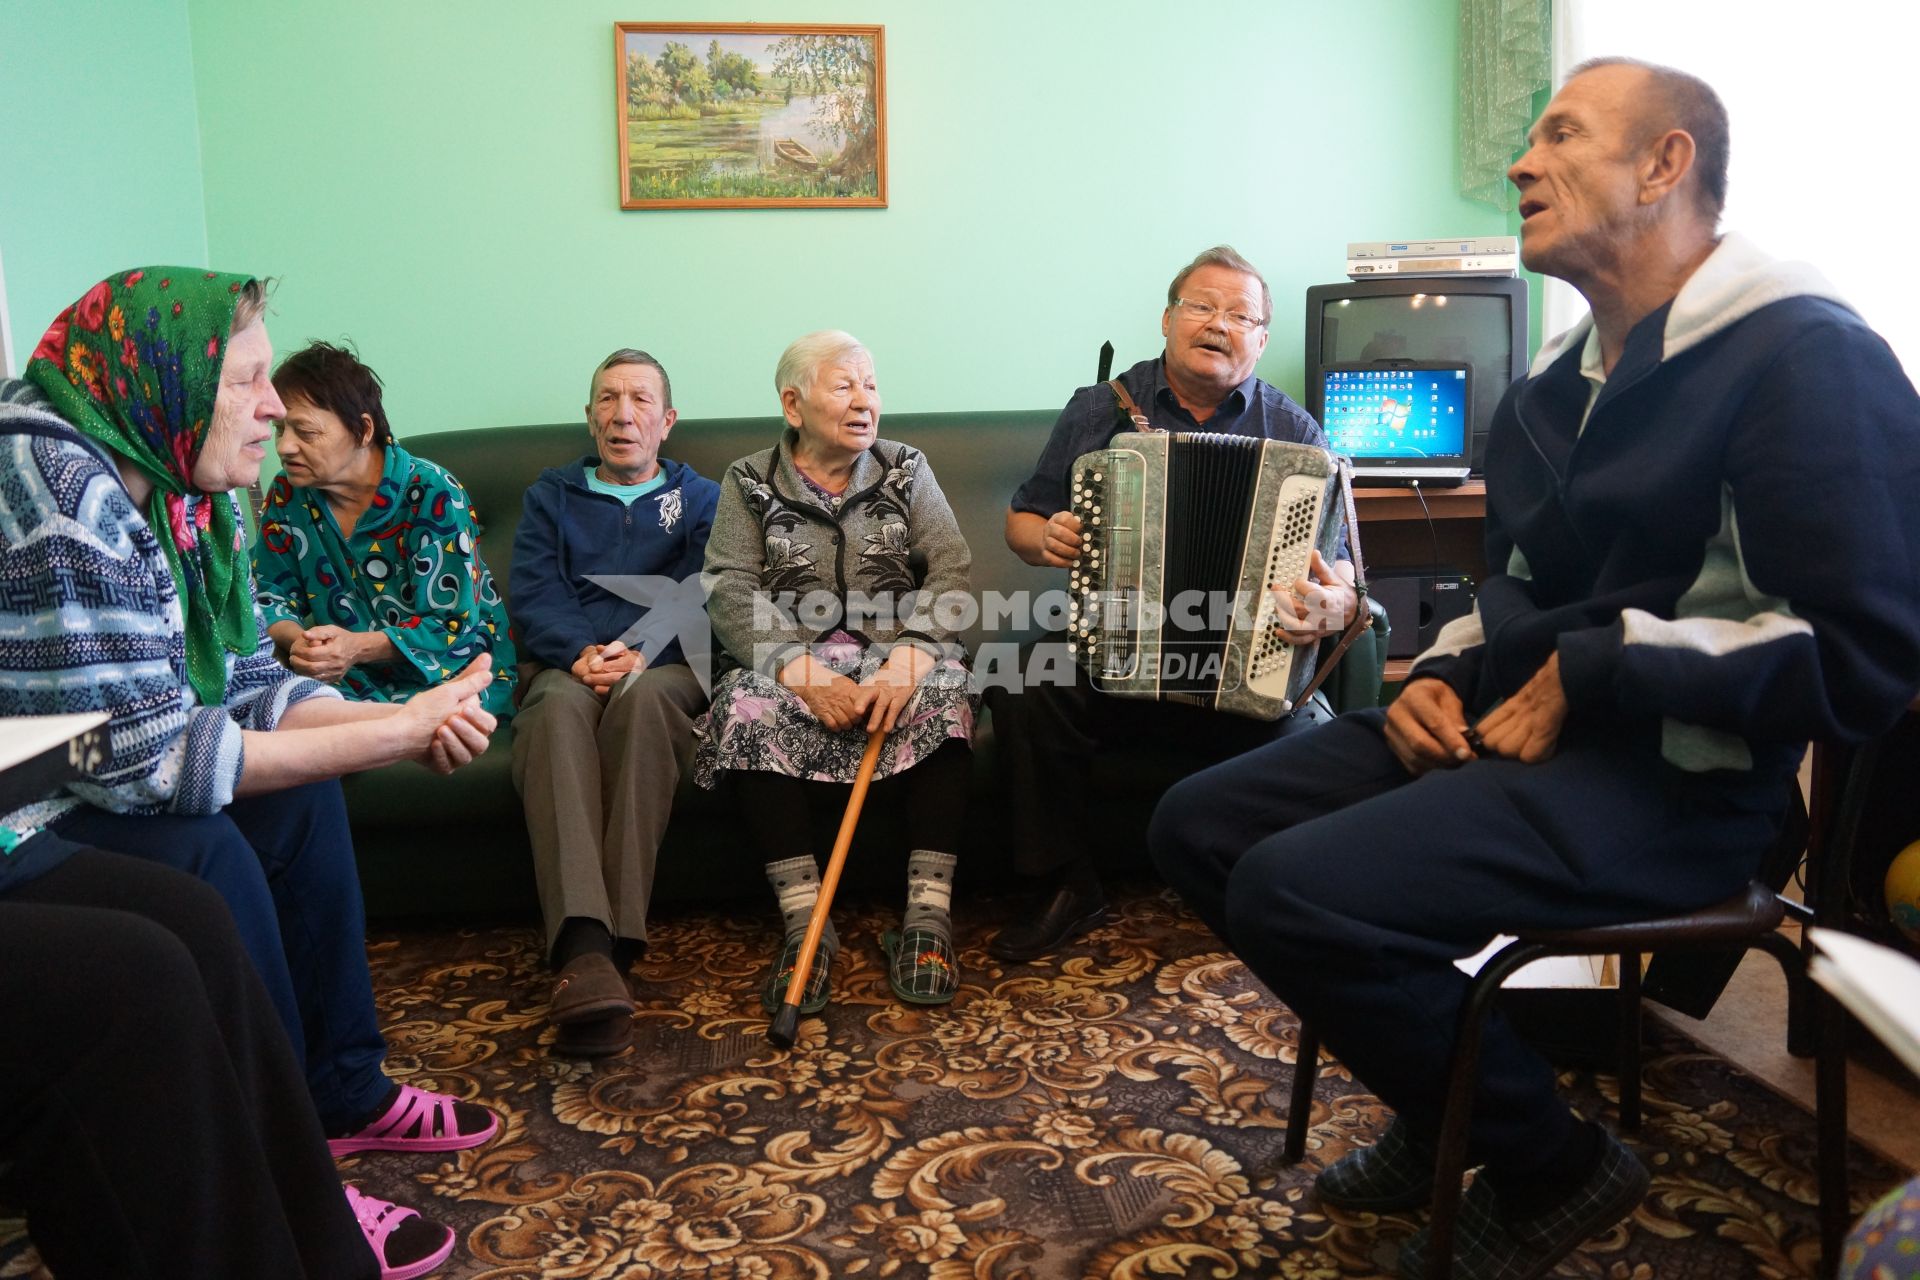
411 569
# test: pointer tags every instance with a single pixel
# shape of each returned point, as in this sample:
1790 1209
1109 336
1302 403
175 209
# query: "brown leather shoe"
601 1037
589 987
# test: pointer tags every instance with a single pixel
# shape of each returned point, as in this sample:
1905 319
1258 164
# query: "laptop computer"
1399 423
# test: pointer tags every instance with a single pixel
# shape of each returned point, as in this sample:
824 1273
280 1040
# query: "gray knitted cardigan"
783 571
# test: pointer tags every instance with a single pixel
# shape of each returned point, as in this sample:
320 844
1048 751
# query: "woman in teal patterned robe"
368 562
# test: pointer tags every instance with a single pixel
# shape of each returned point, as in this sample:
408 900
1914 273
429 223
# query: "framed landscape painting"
734 115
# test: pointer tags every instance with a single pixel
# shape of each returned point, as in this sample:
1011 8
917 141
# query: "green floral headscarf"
135 364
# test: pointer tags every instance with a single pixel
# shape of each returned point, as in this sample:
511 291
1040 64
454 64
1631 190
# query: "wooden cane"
787 1022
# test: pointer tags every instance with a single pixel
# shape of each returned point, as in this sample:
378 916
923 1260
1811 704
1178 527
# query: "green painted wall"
436 180
99 149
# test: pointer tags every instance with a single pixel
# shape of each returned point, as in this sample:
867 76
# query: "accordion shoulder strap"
1353 523
1128 407
1362 619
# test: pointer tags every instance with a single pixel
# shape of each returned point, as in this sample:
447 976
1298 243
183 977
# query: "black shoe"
1394 1173
1070 914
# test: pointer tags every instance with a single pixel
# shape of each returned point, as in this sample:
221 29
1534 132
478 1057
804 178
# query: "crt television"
1476 321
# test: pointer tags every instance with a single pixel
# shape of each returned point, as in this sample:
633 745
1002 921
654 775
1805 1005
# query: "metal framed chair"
1749 919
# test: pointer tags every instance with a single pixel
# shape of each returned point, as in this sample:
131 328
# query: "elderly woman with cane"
828 638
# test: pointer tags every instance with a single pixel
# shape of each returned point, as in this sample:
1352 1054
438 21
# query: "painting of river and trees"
746 115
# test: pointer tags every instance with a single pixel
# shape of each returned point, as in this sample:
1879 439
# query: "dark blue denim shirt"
1092 418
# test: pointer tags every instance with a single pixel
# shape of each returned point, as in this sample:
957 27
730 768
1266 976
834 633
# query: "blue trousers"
1349 888
284 864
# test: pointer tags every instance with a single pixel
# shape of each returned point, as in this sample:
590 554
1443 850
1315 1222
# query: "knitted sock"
930 892
796 883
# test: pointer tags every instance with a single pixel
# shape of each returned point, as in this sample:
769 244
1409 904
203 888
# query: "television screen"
1468 329
1478 322
1374 413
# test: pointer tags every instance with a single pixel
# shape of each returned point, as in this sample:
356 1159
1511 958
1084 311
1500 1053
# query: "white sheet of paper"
1577 972
1879 984
24 737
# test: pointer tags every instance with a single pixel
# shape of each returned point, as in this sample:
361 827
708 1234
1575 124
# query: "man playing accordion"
1215 325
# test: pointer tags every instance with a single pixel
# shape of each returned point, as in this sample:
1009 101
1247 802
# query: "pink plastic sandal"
417 1121
379 1219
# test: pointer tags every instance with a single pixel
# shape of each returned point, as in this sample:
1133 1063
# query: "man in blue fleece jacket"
606 727
1704 552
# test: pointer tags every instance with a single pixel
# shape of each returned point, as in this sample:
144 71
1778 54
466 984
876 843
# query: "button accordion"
1182 535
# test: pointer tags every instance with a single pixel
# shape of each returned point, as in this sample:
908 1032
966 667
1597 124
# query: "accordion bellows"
1182 534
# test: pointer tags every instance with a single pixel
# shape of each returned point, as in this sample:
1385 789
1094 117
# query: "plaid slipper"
1487 1245
921 965
819 977
1394 1173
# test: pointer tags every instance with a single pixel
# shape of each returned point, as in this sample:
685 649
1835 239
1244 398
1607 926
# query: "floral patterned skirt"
755 723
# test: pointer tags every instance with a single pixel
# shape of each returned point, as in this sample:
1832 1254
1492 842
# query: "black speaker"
1418 604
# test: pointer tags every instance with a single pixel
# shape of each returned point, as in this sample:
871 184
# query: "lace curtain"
1506 56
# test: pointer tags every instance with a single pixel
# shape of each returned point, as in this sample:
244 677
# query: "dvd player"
1467 246
1468 256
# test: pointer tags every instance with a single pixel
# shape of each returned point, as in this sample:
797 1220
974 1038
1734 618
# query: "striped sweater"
90 620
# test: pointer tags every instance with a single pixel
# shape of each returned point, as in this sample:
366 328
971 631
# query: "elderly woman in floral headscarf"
145 405
832 629
368 561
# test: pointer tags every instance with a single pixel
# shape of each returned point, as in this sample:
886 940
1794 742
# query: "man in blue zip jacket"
1704 552
606 727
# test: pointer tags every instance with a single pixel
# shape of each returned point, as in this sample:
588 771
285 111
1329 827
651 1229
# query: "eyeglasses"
1203 312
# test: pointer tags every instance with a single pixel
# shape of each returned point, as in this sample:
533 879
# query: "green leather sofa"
457 844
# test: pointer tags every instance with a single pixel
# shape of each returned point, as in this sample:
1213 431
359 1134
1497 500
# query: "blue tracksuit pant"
284 863
1350 888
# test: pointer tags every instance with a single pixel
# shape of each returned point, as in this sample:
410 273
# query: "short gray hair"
252 303
802 359
1687 102
632 355
1225 255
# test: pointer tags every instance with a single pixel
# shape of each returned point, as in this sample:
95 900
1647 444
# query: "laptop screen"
1409 415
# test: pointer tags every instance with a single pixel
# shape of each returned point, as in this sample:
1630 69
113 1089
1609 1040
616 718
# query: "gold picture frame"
745 115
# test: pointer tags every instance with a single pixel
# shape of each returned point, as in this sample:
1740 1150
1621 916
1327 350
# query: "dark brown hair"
332 378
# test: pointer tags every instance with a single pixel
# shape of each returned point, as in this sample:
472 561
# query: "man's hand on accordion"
1319 604
1060 540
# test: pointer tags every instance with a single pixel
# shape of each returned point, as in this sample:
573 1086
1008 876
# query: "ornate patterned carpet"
1114 1113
